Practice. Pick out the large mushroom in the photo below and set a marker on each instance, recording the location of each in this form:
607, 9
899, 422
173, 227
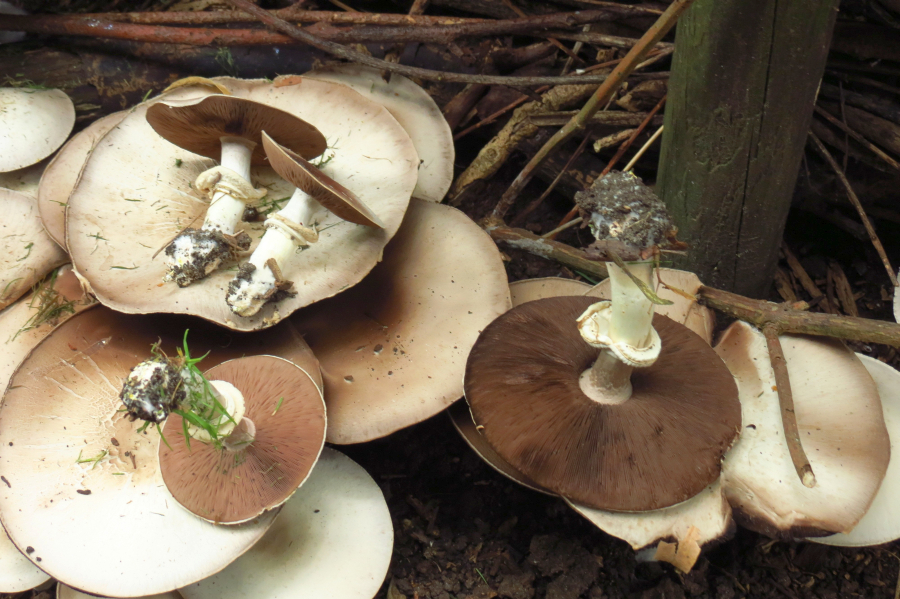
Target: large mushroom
413, 108
393, 348
332, 539
116, 225
80, 474
33, 124
27, 253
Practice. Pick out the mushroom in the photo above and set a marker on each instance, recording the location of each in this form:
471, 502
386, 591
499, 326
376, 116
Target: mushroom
277, 436
881, 523
260, 279
26, 251
393, 347
333, 539
66, 592
33, 124
17, 573
62, 173
578, 396
415, 110
840, 420
25, 180
115, 225
228, 128
79, 475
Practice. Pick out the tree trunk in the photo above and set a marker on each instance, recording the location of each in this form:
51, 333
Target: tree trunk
741, 96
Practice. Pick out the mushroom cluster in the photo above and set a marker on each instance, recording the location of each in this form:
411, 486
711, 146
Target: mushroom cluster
313, 191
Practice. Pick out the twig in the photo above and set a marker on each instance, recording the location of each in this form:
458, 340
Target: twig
823, 151
439, 34
805, 280
552, 40
843, 127
340, 51
621, 152
547, 248
631, 60
494, 116
568, 225
643, 149
786, 400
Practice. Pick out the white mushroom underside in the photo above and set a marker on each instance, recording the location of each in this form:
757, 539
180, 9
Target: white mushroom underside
33, 124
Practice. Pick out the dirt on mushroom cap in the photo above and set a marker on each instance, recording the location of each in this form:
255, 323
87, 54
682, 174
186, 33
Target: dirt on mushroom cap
149, 200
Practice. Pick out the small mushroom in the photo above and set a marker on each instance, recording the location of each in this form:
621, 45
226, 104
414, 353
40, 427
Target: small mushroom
393, 347
27, 253
840, 420
881, 523
276, 439
33, 124
260, 279
416, 111
136, 194
228, 128
333, 539
78, 468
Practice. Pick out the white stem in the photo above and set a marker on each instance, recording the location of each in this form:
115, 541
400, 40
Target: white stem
632, 313
233, 401
224, 211
278, 244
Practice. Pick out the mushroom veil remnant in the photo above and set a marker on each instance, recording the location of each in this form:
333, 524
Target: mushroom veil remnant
579, 396
228, 128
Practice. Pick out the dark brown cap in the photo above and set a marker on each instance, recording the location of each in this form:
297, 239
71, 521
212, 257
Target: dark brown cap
325, 190
198, 126
265, 460
660, 447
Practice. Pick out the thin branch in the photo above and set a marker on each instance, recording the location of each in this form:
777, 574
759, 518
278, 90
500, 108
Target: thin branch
823, 151
643, 149
786, 401
224, 17
341, 52
637, 53
872, 147
547, 248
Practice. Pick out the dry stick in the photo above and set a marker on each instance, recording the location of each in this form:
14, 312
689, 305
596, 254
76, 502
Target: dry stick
340, 51
547, 248
80, 26
622, 149
631, 60
568, 225
224, 17
872, 147
643, 149
534, 205
552, 40
805, 280
786, 400
823, 151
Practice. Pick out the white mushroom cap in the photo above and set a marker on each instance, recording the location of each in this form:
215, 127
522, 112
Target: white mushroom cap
33, 124
62, 404
17, 573
62, 173
416, 111
841, 425
393, 348
27, 253
25, 180
66, 592
373, 155
881, 524
332, 539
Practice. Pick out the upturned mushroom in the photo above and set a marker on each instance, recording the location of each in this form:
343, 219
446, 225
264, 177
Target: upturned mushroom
78, 468
115, 226
33, 124
259, 280
584, 409
228, 128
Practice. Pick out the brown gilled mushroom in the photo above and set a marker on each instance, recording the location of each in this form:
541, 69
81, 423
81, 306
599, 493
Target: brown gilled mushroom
267, 457
79, 471
227, 128
413, 108
27, 253
33, 124
135, 195
393, 347
259, 280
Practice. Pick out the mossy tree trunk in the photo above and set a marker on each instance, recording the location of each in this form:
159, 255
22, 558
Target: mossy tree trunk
741, 95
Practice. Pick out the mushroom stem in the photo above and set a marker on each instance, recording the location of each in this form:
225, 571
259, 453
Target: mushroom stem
225, 210
233, 401
632, 312
253, 287
608, 380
